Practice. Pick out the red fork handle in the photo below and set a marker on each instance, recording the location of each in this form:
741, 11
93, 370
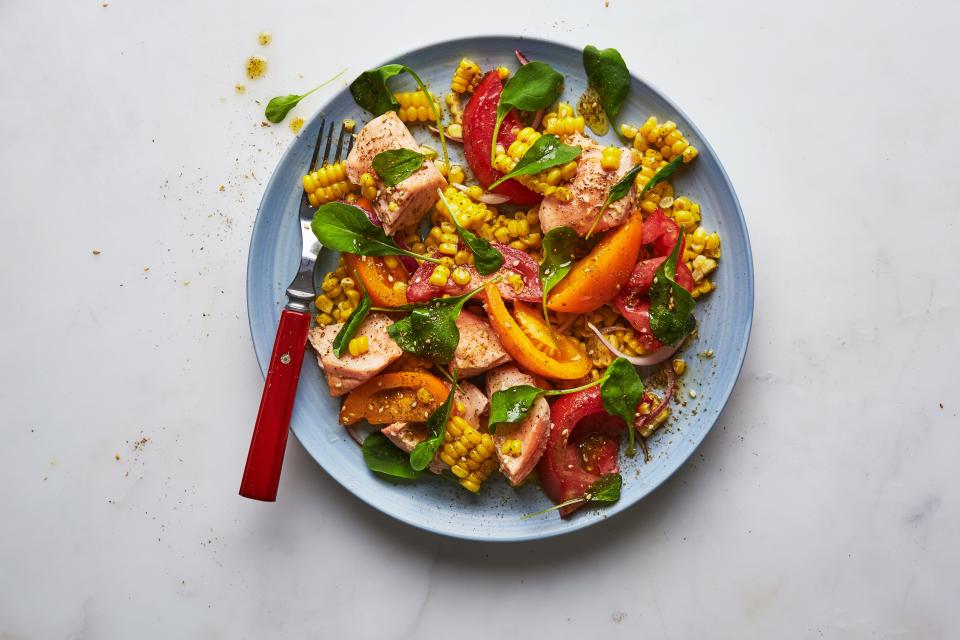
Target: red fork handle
261, 476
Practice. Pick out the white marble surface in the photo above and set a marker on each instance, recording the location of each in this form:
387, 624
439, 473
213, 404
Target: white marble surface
824, 504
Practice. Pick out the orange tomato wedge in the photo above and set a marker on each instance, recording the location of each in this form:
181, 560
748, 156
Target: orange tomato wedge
393, 397
570, 364
597, 278
378, 279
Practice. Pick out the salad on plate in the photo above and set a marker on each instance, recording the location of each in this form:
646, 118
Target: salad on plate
523, 312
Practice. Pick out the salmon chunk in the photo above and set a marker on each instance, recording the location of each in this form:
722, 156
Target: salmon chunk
479, 348
349, 372
590, 188
406, 435
404, 204
532, 432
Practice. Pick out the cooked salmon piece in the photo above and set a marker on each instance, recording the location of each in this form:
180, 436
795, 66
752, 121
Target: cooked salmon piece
404, 204
406, 435
590, 188
349, 372
474, 400
479, 348
532, 431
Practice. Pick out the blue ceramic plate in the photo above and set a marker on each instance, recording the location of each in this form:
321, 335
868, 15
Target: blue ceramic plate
436, 504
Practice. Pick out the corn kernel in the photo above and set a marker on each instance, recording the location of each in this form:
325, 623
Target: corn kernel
324, 303
679, 366
461, 276
359, 346
439, 276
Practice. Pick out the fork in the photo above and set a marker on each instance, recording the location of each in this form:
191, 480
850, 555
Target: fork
261, 476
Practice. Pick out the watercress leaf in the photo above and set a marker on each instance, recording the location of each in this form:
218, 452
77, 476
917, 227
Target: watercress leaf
621, 188
608, 75
671, 306
346, 228
396, 165
664, 173
487, 259
621, 392
430, 331
425, 451
380, 455
535, 85
558, 246
278, 107
371, 92
349, 328
606, 488
546, 152
512, 405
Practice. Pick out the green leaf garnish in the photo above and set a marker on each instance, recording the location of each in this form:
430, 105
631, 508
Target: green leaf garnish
512, 405
671, 306
546, 152
278, 107
349, 328
665, 173
346, 228
608, 75
624, 184
430, 331
617, 191
535, 85
621, 391
486, 259
604, 490
396, 165
426, 450
371, 92
381, 456
558, 246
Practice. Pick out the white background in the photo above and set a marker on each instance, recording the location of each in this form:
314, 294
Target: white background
824, 503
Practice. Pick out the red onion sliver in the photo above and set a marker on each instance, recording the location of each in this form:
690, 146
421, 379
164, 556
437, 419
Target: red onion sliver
648, 360
487, 197
671, 387
433, 129
408, 263
537, 119
354, 435
567, 323
520, 57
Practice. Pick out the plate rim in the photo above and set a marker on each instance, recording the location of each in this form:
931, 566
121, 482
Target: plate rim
263, 358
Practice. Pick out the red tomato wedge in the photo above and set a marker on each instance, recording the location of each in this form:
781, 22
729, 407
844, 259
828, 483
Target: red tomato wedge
479, 119
583, 445
514, 261
660, 234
